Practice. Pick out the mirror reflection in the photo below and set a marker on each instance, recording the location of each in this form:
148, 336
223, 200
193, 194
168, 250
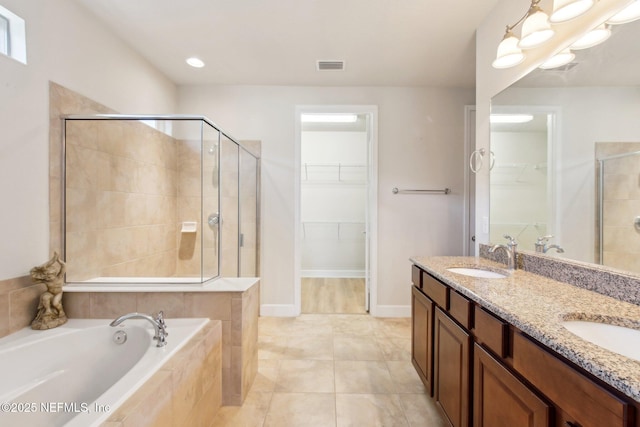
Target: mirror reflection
572, 170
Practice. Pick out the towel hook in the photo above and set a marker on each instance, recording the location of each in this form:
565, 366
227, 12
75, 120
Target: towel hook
477, 158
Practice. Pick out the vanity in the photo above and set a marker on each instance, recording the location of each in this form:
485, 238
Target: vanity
496, 351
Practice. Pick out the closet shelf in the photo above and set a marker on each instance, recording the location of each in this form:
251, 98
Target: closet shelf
335, 230
334, 172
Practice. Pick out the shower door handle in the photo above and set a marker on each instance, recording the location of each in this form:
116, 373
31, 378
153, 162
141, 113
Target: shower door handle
213, 220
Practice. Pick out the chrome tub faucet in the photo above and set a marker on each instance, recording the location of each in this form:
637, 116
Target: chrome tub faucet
158, 324
509, 249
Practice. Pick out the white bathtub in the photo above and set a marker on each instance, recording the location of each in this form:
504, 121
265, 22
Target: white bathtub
76, 375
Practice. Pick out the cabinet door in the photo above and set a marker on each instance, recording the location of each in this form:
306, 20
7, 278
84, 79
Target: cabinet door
583, 402
500, 399
452, 346
422, 337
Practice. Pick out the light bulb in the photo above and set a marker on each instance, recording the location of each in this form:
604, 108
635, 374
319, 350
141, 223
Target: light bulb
593, 37
535, 29
564, 10
559, 59
509, 54
628, 14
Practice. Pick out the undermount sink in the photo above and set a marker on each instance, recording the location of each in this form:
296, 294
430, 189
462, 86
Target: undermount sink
477, 272
618, 339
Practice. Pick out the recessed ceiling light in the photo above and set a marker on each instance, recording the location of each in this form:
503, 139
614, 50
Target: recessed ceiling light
195, 62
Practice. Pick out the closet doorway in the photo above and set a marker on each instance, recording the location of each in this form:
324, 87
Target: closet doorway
336, 193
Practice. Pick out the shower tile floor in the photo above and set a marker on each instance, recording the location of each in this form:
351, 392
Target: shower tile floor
326, 370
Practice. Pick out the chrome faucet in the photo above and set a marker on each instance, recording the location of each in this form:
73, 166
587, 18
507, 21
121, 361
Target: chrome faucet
157, 322
542, 247
509, 249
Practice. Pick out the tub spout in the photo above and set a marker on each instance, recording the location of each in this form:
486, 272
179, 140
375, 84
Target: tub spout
157, 322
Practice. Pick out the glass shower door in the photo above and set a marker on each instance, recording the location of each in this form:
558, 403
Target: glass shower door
210, 208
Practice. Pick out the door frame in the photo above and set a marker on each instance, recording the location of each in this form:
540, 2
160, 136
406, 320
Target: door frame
469, 204
371, 226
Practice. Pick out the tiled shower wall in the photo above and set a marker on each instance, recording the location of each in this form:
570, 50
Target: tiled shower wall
621, 204
122, 196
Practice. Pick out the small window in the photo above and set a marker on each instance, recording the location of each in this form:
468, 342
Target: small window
13, 41
5, 45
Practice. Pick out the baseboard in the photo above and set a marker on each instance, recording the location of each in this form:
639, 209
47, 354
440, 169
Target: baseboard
333, 273
391, 311
278, 310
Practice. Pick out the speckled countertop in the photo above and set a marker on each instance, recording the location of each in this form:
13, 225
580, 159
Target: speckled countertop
536, 305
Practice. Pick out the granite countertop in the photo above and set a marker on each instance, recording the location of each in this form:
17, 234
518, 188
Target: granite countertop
536, 305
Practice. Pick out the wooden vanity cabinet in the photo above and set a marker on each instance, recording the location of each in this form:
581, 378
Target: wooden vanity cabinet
451, 354
422, 337
485, 372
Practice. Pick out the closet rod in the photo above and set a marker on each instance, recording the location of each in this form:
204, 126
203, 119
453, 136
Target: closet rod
445, 191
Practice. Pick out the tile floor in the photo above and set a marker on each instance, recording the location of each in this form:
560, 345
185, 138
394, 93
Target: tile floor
334, 370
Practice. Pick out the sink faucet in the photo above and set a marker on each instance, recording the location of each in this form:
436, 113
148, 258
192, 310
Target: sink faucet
509, 249
157, 322
542, 247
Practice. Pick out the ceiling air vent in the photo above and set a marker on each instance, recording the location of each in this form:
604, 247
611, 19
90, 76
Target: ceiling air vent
330, 65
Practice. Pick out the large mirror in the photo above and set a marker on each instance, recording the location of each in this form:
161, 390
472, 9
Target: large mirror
571, 167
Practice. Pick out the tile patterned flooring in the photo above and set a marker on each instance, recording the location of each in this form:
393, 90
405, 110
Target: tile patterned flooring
325, 370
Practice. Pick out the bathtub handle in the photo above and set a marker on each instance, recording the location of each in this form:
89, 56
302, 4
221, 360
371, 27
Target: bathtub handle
158, 324
162, 337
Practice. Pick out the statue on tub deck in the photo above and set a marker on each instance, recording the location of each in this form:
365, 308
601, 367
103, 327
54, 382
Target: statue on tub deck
50, 312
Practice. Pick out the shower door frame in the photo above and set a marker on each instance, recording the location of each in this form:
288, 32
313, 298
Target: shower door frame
171, 117
600, 199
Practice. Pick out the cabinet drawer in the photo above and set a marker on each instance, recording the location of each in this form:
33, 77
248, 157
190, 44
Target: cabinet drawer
460, 308
416, 276
434, 289
490, 331
587, 403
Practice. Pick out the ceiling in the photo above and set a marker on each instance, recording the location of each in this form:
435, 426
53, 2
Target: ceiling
277, 42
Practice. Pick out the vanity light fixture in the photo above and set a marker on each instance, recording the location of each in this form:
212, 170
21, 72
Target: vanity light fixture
535, 31
564, 10
628, 14
536, 28
329, 118
594, 37
509, 54
195, 62
558, 60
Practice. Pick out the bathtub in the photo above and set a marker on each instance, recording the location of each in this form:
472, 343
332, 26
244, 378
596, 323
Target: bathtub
76, 375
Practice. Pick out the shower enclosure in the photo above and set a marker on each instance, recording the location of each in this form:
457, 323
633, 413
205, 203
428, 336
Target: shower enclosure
618, 204
158, 199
